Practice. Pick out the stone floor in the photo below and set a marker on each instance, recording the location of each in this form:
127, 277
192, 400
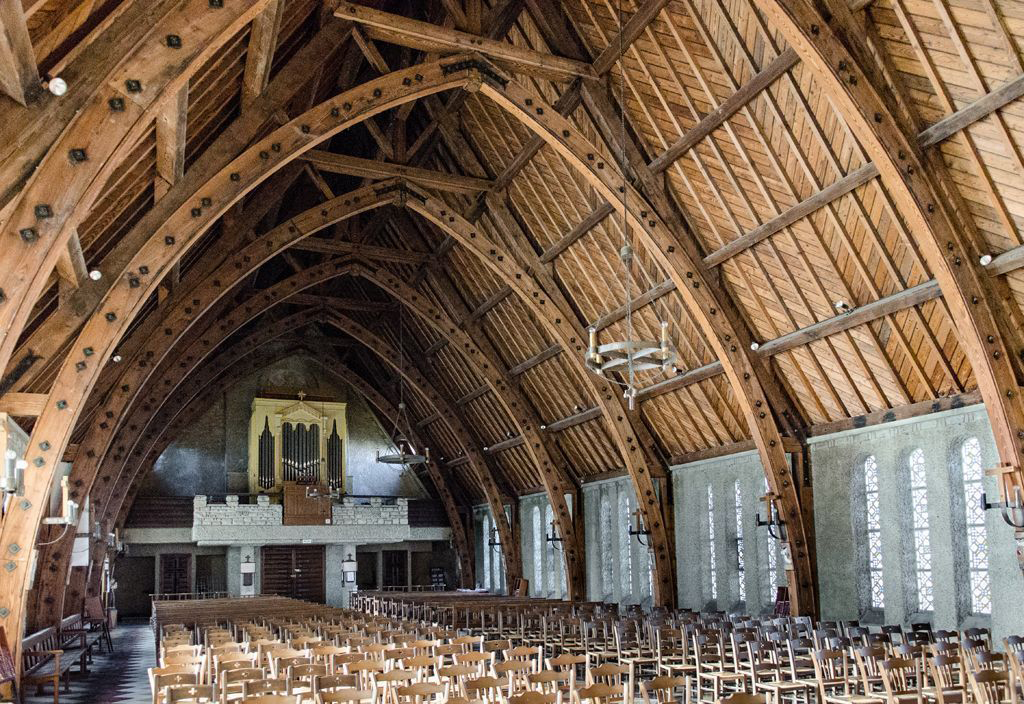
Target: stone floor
114, 678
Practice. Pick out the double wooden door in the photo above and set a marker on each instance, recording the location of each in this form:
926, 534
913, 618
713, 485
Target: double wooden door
294, 570
175, 573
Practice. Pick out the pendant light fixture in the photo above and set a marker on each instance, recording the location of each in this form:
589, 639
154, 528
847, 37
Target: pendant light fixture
405, 454
624, 358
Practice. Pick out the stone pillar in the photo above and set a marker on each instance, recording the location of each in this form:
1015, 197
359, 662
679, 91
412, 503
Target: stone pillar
380, 569
337, 590
408, 569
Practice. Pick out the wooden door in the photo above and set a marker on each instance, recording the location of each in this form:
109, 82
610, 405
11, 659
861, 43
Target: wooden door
294, 570
175, 573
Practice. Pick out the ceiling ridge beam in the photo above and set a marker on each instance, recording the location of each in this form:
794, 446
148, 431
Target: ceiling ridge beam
376, 169
431, 37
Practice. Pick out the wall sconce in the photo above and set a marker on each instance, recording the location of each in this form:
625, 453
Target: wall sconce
1012, 509
776, 525
70, 513
13, 479
553, 538
639, 529
348, 569
493, 541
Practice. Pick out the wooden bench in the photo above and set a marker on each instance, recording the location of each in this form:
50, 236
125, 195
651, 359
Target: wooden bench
76, 635
45, 662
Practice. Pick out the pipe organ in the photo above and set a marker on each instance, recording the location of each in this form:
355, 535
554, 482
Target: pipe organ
296, 442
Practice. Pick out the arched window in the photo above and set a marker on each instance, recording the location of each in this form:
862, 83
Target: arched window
740, 570
551, 573
487, 551
977, 537
712, 561
873, 523
773, 559
538, 554
625, 559
607, 575
922, 537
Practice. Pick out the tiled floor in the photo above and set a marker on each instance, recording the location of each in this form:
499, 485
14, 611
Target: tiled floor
118, 678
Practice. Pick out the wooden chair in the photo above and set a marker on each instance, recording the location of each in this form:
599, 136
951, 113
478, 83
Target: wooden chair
947, 678
420, 692
901, 679
159, 681
514, 673
389, 682
278, 685
346, 696
534, 698
191, 694
663, 690
836, 678
230, 681
993, 687
742, 698
600, 694
484, 689
272, 699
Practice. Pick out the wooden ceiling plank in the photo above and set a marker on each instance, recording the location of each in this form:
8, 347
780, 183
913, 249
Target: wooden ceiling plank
492, 301
19, 74
431, 37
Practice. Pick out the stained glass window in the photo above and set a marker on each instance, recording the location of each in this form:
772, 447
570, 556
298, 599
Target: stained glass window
712, 563
538, 555
740, 571
977, 538
873, 521
773, 559
487, 551
552, 568
625, 563
607, 577
922, 538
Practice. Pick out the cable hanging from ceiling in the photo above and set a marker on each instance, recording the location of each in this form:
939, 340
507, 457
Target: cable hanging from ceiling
406, 453
620, 360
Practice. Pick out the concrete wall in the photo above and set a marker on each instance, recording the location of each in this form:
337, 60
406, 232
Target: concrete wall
837, 464
618, 566
211, 457
690, 484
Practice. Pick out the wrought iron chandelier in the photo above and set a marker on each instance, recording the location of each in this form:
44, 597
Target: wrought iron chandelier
406, 453
620, 359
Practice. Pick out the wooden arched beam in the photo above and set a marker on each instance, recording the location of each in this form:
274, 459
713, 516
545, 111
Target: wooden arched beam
463, 548
76, 377
830, 45
174, 236
60, 590
77, 167
60, 327
509, 547
731, 344
54, 560
508, 393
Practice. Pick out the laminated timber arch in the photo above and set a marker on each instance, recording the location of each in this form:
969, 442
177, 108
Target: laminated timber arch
825, 35
97, 456
380, 347
51, 335
269, 154
76, 168
143, 274
180, 382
